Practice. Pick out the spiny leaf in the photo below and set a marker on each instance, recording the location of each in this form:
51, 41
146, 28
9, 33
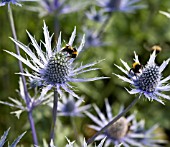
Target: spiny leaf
3, 138
17, 140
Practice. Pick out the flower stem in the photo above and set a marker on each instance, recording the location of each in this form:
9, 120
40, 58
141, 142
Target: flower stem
103, 25
27, 98
74, 128
90, 140
55, 105
31, 121
18, 52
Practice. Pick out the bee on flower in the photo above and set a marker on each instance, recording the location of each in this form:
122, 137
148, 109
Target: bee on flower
150, 81
156, 48
54, 67
72, 51
136, 68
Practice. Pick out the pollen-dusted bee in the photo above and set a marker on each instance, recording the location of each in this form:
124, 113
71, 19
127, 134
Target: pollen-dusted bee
72, 51
136, 68
156, 48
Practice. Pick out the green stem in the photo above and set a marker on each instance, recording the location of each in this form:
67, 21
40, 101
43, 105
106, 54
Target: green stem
54, 113
27, 98
103, 25
74, 127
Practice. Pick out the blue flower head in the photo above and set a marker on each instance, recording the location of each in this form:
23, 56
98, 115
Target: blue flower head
97, 16
84, 144
71, 106
4, 2
148, 137
45, 7
15, 2
149, 80
21, 104
120, 5
54, 67
125, 131
92, 39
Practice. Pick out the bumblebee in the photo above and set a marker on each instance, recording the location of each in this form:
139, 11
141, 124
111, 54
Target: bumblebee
72, 51
136, 68
156, 48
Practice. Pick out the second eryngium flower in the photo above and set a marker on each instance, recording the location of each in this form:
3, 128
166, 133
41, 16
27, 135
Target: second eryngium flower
147, 80
126, 131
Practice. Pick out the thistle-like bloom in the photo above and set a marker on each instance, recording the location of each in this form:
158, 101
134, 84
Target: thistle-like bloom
54, 68
21, 105
45, 7
4, 2
120, 5
122, 131
148, 137
92, 40
71, 106
97, 16
84, 144
15, 2
149, 81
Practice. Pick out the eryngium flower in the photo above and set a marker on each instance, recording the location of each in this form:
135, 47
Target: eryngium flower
21, 104
54, 68
15, 2
150, 137
120, 5
71, 106
84, 144
4, 2
122, 131
97, 16
45, 7
92, 39
149, 81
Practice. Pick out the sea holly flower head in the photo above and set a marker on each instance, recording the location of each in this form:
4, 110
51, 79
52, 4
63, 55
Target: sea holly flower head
45, 7
148, 80
151, 136
120, 5
84, 144
124, 131
4, 2
54, 67
97, 16
74, 144
15, 2
92, 39
71, 106
21, 104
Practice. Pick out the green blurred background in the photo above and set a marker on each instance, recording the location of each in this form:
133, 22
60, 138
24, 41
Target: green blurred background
125, 33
